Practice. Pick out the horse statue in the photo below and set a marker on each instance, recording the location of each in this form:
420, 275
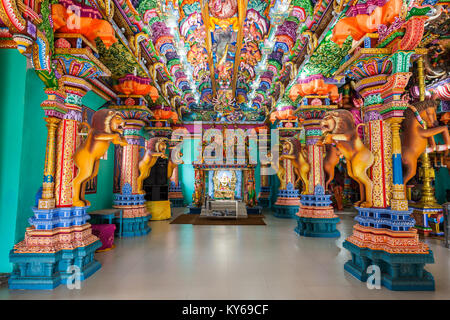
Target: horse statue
415, 135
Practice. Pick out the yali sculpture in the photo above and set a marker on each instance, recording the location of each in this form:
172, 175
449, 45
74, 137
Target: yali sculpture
107, 126
339, 127
156, 150
415, 135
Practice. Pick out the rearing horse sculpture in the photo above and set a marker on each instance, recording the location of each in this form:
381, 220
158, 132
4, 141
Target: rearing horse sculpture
414, 136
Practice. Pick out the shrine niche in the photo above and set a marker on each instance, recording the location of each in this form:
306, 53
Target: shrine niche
224, 185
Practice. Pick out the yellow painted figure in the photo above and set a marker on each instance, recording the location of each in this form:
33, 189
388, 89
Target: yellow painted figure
107, 126
339, 127
157, 149
173, 163
293, 151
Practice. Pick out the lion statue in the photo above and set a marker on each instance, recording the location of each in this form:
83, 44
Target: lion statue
292, 151
330, 161
339, 127
174, 161
107, 126
157, 149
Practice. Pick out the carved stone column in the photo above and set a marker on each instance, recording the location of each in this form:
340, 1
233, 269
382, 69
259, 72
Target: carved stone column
315, 217
47, 200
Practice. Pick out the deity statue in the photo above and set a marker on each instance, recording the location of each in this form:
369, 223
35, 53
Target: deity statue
224, 184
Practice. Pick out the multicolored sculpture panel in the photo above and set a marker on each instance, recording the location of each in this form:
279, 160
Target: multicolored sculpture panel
419, 125
107, 126
157, 149
293, 151
339, 127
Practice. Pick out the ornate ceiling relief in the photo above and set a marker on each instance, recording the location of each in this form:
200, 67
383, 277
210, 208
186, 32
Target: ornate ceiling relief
230, 60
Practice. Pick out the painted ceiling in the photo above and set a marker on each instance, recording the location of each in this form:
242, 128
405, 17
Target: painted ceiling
236, 60
221, 60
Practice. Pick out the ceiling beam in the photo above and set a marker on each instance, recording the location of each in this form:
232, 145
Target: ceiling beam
206, 21
242, 12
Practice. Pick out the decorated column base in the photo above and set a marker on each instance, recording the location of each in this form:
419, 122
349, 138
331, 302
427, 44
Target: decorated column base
176, 202
194, 210
387, 239
316, 217
254, 210
428, 221
287, 203
136, 226
134, 214
399, 272
176, 197
38, 271
58, 245
264, 197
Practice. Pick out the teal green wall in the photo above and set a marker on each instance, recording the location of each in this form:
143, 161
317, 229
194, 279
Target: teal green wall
186, 171
104, 197
442, 183
34, 139
442, 178
12, 96
22, 151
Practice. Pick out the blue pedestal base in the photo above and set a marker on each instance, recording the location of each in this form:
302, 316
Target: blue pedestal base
317, 227
176, 202
264, 202
41, 271
194, 210
285, 212
399, 272
254, 210
136, 227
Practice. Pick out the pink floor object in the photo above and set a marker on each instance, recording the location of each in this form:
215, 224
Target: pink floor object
106, 234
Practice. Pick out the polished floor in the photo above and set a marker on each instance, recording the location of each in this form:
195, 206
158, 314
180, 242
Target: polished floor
233, 262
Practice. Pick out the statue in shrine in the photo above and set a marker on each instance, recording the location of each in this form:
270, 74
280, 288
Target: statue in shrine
157, 149
339, 127
414, 136
107, 126
197, 196
251, 193
293, 151
224, 184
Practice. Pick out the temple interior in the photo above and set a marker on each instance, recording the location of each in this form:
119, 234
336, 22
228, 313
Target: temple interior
224, 149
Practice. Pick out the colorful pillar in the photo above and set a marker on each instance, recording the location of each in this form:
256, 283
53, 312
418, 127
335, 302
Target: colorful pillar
59, 241
427, 209
288, 199
377, 137
67, 138
264, 190
384, 235
133, 106
315, 217
47, 201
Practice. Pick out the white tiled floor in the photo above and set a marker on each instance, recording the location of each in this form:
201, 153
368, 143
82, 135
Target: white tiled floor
233, 262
